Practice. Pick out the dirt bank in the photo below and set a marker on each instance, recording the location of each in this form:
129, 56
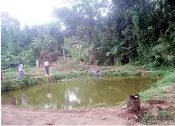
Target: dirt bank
21, 116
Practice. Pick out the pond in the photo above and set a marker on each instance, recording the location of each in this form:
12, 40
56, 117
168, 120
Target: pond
82, 92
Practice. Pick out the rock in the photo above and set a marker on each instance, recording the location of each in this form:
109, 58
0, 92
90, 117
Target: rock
136, 117
155, 112
124, 107
50, 122
103, 118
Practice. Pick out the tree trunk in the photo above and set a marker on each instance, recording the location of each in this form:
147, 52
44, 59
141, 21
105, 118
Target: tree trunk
113, 60
92, 57
91, 54
133, 103
90, 38
64, 54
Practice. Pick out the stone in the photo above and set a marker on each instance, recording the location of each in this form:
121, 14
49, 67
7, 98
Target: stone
124, 107
103, 118
51, 122
155, 112
136, 117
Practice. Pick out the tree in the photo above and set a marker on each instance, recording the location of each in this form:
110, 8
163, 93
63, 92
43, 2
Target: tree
81, 20
10, 38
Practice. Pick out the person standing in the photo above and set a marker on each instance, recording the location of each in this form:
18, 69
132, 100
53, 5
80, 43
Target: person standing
20, 70
2, 76
37, 63
46, 64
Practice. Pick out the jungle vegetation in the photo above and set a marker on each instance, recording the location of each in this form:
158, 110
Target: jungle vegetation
117, 32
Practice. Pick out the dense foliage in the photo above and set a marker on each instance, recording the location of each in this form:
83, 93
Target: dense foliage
120, 32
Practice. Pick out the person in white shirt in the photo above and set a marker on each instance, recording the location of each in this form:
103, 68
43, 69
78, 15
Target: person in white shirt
46, 64
20, 70
37, 63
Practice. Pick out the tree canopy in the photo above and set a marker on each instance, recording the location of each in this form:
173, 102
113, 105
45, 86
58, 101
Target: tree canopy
113, 33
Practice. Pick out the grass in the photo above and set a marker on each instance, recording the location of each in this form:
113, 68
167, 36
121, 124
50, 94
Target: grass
146, 118
45, 106
9, 85
163, 114
10, 73
69, 75
120, 73
168, 79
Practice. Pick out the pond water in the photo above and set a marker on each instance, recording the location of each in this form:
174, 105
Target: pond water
82, 92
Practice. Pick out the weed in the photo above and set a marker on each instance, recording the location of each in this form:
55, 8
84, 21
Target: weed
146, 118
99, 105
159, 93
145, 95
163, 114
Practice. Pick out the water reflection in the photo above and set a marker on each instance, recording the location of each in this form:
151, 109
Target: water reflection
97, 77
24, 100
49, 94
79, 92
66, 96
13, 100
73, 98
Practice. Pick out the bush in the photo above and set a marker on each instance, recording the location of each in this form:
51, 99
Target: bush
9, 85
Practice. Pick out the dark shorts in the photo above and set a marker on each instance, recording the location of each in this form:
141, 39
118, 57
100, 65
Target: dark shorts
47, 69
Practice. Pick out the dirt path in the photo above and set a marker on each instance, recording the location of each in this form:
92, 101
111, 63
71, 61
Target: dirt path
21, 116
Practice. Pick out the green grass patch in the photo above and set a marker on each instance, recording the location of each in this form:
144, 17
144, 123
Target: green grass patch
120, 73
9, 85
146, 118
163, 114
133, 67
156, 74
10, 73
69, 75
168, 79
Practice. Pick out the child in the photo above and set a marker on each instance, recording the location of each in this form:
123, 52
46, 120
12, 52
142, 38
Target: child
20, 70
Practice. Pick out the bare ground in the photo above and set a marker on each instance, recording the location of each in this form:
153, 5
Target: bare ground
166, 104
12, 115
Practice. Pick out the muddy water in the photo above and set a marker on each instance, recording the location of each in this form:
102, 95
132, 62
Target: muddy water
81, 92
